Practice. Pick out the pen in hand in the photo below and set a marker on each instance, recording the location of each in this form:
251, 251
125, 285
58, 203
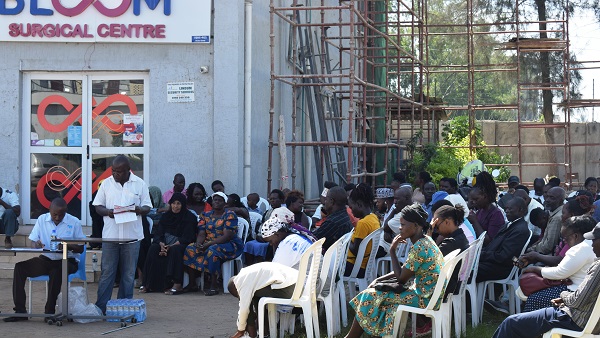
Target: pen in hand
39, 244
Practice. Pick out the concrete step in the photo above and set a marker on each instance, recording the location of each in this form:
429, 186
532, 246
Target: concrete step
18, 240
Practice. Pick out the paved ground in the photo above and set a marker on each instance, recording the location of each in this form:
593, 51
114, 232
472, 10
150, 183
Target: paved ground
187, 315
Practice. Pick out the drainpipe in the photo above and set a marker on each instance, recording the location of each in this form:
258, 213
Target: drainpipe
247, 96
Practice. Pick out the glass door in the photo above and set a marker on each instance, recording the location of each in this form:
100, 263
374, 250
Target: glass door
75, 125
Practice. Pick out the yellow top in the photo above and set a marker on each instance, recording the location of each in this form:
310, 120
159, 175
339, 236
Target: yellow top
364, 227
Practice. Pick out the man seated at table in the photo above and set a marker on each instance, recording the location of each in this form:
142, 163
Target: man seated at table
47, 263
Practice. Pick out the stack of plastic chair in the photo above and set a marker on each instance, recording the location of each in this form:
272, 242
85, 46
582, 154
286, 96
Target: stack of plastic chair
371, 269
438, 317
304, 296
79, 274
510, 285
329, 293
459, 303
227, 267
587, 330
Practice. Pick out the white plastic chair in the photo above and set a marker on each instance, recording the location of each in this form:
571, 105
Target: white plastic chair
384, 264
255, 218
330, 270
79, 274
471, 287
304, 296
459, 303
340, 283
587, 330
371, 268
227, 267
510, 285
438, 317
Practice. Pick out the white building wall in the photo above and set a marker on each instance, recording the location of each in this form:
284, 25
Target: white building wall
203, 139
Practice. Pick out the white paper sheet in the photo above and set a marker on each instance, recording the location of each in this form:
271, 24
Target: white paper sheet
125, 217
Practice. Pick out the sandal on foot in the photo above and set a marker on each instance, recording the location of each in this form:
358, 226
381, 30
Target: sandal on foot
144, 289
211, 292
174, 292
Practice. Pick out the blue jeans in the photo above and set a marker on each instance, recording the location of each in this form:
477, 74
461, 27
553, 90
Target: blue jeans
125, 257
9, 223
535, 323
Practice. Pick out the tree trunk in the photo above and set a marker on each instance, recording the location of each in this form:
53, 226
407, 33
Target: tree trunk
547, 95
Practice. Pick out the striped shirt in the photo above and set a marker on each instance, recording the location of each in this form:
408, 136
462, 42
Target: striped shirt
334, 227
579, 304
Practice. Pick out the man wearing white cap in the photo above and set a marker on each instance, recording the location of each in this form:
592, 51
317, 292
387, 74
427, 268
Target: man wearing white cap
385, 202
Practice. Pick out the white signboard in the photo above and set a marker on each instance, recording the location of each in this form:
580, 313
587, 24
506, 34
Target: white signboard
144, 21
180, 92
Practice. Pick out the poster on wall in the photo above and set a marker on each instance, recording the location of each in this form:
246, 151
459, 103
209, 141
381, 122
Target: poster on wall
180, 92
134, 128
74, 136
120, 21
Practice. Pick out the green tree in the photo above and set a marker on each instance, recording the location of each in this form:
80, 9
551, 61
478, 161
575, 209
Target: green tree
547, 68
450, 62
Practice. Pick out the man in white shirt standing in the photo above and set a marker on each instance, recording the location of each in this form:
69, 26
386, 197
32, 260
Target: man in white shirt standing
123, 189
48, 263
9, 212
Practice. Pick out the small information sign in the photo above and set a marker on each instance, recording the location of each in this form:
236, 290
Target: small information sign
180, 92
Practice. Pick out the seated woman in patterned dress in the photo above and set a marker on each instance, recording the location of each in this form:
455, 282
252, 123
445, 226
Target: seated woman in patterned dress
217, 242
572, 267
375, 307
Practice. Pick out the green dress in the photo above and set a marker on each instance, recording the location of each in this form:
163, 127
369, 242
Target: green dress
375, 309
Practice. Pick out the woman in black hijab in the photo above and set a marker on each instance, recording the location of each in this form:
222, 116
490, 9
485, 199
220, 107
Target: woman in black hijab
164, 263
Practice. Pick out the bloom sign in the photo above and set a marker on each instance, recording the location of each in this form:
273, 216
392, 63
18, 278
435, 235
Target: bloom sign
155, 21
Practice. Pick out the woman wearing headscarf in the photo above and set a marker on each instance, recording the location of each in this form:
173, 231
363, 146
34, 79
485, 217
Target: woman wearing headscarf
217, 241
410, 284
256, 248
270, 279
289, 241
175, 230
158, 206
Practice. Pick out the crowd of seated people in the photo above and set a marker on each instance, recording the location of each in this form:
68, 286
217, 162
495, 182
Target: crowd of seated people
195, 232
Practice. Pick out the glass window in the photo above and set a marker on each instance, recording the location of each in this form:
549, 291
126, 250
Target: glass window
117, 113
52, 176
56, 113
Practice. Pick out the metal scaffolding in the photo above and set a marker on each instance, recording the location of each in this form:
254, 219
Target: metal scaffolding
359, 81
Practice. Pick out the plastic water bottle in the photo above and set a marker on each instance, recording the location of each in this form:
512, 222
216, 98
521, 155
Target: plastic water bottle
143, 314
53, 245
120, 310
95, 262
130, 308
110, 311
